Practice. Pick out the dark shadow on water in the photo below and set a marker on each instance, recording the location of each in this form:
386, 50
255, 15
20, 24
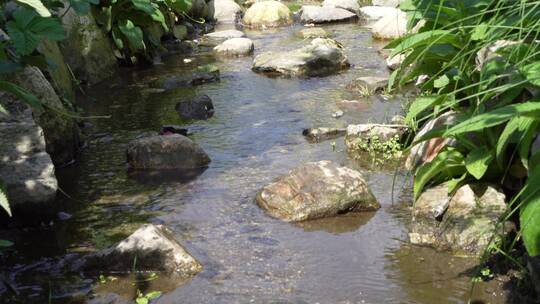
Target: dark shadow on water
169, 176
338, 224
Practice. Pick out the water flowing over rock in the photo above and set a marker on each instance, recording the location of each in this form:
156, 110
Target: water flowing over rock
391, 26
316, 190
267, 14
313, 32
321, 57
321, 134
154, 248
235, 47
224, 11
25, 168
358, 134
325, 14
62, 134
374, 13
86, 49
215, 38
173, 151
463, 223
350, 5
426, 151
199, 107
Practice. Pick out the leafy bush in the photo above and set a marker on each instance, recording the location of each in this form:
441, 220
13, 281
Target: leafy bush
483, 62
131, 23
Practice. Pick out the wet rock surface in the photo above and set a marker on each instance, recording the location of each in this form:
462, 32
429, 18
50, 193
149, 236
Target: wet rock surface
154, 248
374, 13
316, 190
313, 32
358, 134
325, 14
350, 5
215, 38
321, 57
199, 107
166, 152
267, 14
462, 223
224, 11
322, 134
235, 47
369, 85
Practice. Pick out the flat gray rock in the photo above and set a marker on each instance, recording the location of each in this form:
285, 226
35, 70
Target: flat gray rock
326, 14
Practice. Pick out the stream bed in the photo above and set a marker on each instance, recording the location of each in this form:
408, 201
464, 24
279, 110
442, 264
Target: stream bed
254, 136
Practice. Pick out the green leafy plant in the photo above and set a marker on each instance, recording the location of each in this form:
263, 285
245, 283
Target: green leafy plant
482, 60
132, 23
146, 298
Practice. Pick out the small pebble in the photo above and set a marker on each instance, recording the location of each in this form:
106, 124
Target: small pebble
187, 60
337, 114
63, 216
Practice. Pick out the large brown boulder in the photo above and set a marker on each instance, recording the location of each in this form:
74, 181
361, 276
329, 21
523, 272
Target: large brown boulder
173, 151
316, 190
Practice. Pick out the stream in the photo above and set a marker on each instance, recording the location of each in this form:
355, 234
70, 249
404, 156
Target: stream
254, 136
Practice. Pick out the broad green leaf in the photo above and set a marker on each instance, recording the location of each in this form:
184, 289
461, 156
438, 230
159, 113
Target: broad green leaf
419, 105
21, 93
529, 217
477, 161
38, 6
480, 32
133, 34
441, 82
513, 132
141, 300
180, 6
495, 117
49, 28
117, 38
5, 243
441, 163
82, 7
426, 38
532, 73
4, 202
153, 295
455, 183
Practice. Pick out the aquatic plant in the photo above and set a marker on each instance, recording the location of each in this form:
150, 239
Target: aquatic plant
482, 60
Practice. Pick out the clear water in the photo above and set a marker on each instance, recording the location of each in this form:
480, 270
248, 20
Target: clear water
255, 136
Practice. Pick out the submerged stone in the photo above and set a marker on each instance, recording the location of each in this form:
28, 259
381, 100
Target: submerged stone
173, 151
463, 223
153, 247
316, 190
321, 134
369, 85
313, 32
199, 107
323, 56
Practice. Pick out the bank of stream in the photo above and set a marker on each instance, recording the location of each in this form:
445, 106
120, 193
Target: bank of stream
254, 136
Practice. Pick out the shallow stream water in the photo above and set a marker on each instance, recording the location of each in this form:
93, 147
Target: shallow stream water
254, 136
